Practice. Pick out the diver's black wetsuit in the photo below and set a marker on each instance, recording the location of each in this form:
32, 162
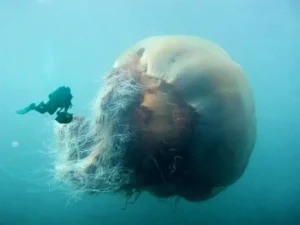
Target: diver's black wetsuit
60, 99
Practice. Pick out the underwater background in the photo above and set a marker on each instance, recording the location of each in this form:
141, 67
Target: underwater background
48, 43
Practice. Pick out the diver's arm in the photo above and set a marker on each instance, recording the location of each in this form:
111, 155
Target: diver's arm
60, 109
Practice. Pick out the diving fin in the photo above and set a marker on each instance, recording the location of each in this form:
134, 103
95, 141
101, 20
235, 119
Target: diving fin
26, 110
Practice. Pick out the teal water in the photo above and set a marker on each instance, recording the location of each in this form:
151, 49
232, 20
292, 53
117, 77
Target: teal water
48, 43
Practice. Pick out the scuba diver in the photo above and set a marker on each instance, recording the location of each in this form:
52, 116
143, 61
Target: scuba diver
60, 99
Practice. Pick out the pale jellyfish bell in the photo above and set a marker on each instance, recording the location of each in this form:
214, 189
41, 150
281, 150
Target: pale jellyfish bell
15, 144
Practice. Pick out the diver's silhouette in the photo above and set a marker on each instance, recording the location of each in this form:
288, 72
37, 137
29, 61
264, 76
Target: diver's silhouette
60, 99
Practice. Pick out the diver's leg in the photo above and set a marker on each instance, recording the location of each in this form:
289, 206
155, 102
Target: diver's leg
51, 111
41, 108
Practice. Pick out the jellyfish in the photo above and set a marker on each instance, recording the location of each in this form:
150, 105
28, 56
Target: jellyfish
175, 117
15, 144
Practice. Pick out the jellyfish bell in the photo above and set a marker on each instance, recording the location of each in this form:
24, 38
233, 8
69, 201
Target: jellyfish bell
15, 144
175, 117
